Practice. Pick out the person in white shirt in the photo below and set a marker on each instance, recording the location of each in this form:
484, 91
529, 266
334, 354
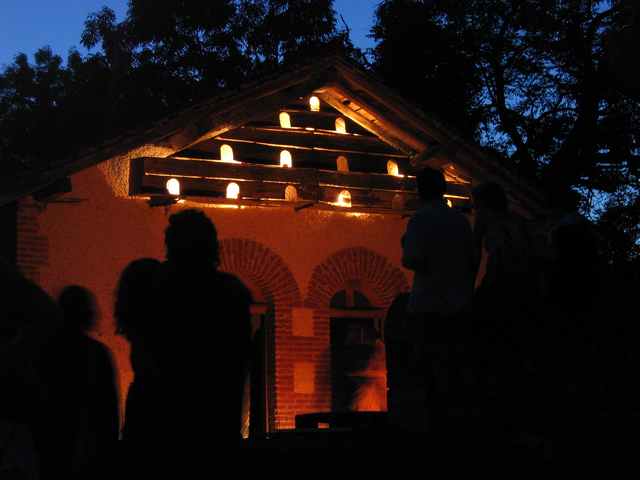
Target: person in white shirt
440, 248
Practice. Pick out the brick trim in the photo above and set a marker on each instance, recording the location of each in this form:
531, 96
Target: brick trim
355, 263
269, 273
32, 247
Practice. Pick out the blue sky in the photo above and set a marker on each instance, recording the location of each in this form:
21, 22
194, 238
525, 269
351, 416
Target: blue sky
28, 25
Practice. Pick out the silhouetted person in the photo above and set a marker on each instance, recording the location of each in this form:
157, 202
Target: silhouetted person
29, 318
135, 318
504, 302
79, 434
439, 247
573, 277
503, 234
203, 342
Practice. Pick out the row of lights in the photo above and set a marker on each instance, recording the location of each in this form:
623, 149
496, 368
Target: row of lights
173, 188
286, 160
233, 192
233, 189
285, 122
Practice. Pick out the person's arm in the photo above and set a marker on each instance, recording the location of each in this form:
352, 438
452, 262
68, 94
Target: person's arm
414, 247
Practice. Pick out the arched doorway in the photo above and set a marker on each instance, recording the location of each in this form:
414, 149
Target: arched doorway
358, 369
255, 406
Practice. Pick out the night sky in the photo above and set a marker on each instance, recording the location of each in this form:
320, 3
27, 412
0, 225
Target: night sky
28, 25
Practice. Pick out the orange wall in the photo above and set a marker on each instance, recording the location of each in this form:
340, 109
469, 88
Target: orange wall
91, 241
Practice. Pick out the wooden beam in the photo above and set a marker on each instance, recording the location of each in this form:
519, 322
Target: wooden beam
375, 121
210, 179
248, 152
255, 190
221, 122
435, 156
170, 167
428, 124
310, 139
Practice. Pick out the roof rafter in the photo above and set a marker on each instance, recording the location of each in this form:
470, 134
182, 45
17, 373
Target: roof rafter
343, 100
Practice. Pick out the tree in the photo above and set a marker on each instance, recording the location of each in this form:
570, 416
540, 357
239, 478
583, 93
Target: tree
182, 51
539, 78
29, 99
549, 85
164, 55
428, 62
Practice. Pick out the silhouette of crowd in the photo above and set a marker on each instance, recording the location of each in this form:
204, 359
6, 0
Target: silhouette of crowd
189, 328
473, 345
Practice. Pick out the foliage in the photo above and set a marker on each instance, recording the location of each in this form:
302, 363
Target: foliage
175, 52
165, 54
550, 86
37, 101
428, 62
544, 78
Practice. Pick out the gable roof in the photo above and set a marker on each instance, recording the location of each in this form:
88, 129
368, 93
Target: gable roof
419, 138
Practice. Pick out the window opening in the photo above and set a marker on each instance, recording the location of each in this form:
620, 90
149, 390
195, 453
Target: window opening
358, 366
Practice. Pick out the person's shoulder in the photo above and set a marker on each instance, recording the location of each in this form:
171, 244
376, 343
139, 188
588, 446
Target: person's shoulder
228, 278
231, 281
430, 208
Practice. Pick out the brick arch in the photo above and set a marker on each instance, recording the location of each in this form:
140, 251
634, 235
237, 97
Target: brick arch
355, 263
262, 266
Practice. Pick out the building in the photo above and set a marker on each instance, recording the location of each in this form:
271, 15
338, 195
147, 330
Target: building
307, 175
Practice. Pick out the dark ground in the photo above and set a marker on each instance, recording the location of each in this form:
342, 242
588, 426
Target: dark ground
566, 404
599, 453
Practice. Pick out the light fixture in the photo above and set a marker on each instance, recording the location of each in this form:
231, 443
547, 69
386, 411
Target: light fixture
341, 125
173, 186
285, 120
314, 103
342, 164
226, 154
291, 194
392, 168
285, 159
344, 199
233, 190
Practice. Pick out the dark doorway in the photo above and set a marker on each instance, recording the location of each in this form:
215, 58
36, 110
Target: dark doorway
358, 372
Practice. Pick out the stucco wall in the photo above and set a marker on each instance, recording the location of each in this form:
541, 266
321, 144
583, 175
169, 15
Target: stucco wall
90, 241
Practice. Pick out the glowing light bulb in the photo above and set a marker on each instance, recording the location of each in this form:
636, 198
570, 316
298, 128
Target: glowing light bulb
233, 190
344, 199
173, 186
285, 159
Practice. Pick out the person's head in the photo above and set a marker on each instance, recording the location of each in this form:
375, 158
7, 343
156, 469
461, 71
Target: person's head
490, 195
135, 297
78, 306
431, 184
191, 235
